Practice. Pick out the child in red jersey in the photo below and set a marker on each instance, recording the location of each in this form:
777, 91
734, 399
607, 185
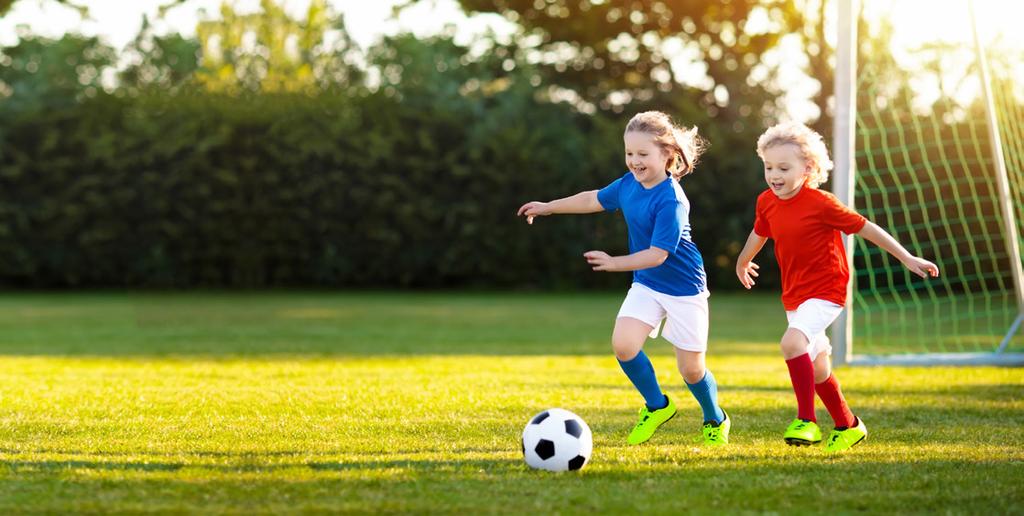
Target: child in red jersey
806, 223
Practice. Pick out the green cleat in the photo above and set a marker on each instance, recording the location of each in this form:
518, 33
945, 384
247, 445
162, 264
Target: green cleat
802, 432
650, 421
842, 439
717, 434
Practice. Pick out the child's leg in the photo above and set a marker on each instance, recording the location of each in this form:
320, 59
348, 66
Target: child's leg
701, 383
828, 390
849, 430
801, 371
686, 328
627, 341
822, 367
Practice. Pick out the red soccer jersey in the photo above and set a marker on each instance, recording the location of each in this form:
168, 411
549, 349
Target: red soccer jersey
808, 245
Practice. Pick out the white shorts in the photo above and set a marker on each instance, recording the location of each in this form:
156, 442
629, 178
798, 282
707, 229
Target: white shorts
687, 316
812, 317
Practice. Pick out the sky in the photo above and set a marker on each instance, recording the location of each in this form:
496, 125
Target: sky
118, 21
916, 22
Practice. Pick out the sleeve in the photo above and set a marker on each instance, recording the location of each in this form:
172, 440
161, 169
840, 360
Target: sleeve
609, 195
668, 226
761, 226
839, 216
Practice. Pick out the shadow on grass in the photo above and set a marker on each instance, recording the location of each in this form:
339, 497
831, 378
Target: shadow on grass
946, 420
719, 483
50, 466
57, 465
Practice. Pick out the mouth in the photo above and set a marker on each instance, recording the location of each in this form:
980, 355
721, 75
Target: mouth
776, 185
639, 170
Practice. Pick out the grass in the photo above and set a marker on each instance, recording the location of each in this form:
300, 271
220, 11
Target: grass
386, 402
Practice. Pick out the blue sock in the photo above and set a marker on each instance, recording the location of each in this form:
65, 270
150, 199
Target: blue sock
706, 392
641, 373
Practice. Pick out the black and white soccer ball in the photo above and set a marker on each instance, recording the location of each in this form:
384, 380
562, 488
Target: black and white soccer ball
557, 440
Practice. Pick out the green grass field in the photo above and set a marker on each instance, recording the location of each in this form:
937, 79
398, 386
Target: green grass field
378, 402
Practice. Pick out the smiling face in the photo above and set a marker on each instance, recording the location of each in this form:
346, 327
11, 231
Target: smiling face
785, 170
645, 158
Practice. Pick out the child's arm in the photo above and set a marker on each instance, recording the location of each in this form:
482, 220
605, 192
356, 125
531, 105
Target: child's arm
746, 270
650, 257
883, 239
583, 202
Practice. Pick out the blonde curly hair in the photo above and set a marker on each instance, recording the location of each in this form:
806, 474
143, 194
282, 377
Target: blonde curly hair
684, 146
811, 145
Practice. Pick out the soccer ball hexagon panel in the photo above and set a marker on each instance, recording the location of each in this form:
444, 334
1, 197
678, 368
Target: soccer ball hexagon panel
557, 440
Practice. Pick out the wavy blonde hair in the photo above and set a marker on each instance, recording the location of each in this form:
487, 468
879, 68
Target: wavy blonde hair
811, 145
684, 146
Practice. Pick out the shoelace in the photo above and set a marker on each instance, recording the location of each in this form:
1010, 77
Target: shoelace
647, 415
715, 434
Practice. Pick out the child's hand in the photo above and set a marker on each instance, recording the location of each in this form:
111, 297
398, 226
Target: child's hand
746, 272
599, 260
922, 267
533, 209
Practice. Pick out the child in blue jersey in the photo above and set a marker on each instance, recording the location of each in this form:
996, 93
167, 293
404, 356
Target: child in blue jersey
668, 273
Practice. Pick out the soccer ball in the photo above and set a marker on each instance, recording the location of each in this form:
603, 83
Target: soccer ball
557, 440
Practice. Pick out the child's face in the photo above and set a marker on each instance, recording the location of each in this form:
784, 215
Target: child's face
785, 170
645, 158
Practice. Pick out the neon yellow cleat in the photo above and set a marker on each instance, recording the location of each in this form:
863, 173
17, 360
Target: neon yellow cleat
650, 421
842, 439
802, 432
717, 434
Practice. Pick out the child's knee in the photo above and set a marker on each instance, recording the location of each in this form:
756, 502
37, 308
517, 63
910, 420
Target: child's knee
692, 373
794, 343
625, 350
822, 368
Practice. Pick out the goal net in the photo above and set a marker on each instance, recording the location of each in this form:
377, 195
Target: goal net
935, 155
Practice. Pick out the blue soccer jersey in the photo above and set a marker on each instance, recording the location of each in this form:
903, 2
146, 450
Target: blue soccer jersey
659, 217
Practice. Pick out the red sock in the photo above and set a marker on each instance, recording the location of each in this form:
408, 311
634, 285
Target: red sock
834, 401
801, 372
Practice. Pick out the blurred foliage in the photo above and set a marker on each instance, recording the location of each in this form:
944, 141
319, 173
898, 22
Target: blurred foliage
820, 60
42, 73
269, 51
617, 52
168, 63
5, 6
414, 184
272, 151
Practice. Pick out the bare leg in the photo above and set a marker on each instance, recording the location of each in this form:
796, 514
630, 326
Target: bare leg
691, 365
822, 368
628, 337
794, 343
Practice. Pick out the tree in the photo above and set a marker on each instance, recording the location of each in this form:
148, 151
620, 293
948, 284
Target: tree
614, 52
271, 52
40, 72
166, 62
